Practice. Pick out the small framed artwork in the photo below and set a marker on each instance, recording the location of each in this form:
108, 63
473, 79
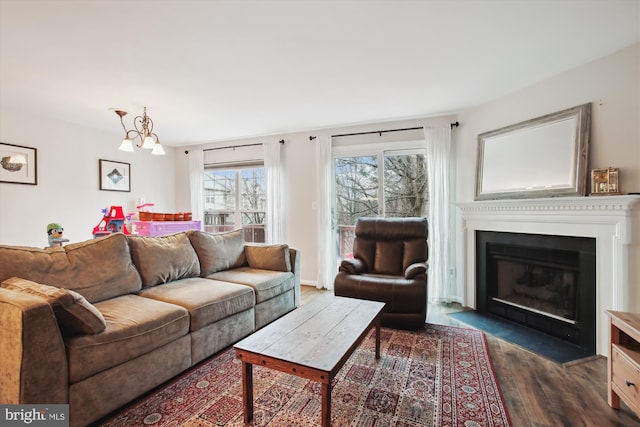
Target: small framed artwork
18, 164
115, 176
604, 181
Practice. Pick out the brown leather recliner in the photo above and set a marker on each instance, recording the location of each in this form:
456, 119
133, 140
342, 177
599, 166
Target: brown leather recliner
390, 265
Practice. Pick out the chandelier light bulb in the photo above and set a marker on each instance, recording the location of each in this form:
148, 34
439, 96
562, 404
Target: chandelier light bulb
148, 143
127, 145
158, 150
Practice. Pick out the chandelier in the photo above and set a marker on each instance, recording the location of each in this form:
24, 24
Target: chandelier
142, 132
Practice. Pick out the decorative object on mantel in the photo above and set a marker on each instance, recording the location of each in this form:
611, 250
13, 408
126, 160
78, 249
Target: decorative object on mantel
542, 157
143, 131
18, 164
604, 182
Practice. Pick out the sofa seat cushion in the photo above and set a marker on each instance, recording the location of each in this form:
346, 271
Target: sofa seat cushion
266, 283
206, 300
135, 326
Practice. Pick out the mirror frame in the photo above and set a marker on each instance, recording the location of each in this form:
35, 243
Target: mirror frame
518, 133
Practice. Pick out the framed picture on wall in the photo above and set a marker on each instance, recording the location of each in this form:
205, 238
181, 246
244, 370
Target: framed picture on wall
18, 164
115, 176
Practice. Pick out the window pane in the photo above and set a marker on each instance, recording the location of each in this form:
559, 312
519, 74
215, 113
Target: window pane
356, 196
254, 195
356, 188
219, 189
405, 186
404, 190
236, 198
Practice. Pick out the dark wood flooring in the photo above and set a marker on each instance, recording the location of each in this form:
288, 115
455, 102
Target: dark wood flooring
539, 392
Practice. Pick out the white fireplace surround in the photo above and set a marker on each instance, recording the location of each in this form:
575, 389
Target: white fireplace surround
608, 219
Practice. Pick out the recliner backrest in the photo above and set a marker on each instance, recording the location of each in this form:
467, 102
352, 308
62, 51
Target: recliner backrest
390, 245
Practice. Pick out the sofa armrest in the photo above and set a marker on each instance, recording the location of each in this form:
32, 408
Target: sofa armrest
295, 269
414, 270
34, 365
352, 266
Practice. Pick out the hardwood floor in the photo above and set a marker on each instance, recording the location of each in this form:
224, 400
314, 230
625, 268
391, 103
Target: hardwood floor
539, 392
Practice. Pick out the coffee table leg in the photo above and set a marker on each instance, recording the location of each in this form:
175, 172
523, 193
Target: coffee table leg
247, 391
378, 321
326, 404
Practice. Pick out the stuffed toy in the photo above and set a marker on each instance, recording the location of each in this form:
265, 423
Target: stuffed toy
54, 233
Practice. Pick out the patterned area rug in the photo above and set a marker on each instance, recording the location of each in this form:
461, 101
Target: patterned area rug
441, 376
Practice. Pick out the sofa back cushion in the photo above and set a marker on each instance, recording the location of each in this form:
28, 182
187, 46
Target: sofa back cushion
217, 252
98, 269
164, 259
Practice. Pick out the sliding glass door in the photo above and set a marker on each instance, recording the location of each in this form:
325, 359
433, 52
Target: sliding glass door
383, 182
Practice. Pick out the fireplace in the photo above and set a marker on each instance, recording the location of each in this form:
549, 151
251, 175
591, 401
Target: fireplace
544, 282
612, 221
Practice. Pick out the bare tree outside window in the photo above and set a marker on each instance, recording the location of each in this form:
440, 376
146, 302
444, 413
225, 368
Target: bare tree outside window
405, 186
356, 188
404, 191
254, 196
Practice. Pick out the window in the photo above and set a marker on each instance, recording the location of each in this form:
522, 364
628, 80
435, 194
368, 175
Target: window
235, 198
377, 182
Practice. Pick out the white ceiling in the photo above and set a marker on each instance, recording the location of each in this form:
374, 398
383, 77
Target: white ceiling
217, 70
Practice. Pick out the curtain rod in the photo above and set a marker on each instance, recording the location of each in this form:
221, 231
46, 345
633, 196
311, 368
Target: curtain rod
380, 132
234, 146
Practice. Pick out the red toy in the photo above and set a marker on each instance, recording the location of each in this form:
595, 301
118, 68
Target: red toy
112, 222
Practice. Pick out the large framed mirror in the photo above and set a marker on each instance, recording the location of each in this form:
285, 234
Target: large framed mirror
542, 157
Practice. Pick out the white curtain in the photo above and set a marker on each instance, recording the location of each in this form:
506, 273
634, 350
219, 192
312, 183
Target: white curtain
275, 213
196, 182
438, 144
326, 256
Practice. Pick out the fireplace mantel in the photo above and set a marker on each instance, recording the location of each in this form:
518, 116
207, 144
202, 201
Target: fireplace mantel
594, 204
608, 219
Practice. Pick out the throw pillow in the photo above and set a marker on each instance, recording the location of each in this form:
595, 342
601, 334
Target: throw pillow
272, 257
74, 313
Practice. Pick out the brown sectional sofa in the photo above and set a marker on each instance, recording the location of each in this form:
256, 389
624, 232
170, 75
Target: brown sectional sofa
98, 323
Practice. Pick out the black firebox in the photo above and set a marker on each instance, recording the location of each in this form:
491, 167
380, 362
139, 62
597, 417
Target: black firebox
545, 282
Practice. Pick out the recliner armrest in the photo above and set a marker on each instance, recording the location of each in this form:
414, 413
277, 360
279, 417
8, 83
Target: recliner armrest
352, 266
416, 269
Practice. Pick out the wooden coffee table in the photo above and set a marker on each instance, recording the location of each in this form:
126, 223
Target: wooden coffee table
314, 341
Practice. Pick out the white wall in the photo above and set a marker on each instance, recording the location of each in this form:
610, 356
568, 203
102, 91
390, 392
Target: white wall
612, 85
68, 188
300, 177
